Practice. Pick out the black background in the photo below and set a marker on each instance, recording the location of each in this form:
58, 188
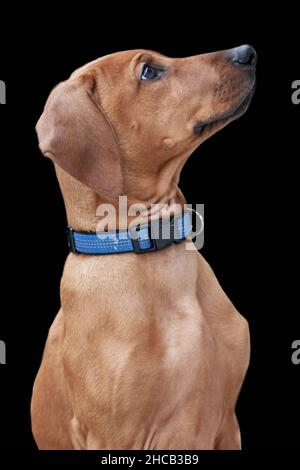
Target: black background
246, 176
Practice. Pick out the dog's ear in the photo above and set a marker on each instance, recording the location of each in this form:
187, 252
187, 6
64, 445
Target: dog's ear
74, 132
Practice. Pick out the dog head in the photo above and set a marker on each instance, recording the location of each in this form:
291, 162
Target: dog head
135, 116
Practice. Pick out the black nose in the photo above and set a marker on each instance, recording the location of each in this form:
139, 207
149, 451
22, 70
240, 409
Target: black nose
244, 56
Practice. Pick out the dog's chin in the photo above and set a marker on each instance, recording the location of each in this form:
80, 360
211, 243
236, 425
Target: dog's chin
203, 128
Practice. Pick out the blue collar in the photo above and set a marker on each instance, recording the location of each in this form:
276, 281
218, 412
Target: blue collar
157, 235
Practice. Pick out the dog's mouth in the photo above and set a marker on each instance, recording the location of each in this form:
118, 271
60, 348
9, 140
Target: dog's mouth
233, 113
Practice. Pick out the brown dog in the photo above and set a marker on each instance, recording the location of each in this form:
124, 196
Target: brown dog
147, 352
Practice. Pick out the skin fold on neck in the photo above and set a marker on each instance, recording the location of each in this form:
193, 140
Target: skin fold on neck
85, 207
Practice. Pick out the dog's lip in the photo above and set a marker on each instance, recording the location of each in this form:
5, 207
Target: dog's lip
234, 113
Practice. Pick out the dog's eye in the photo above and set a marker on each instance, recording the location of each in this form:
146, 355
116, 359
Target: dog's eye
150, 72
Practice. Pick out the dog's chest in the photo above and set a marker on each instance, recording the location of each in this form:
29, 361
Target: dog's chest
148, 359
164, 382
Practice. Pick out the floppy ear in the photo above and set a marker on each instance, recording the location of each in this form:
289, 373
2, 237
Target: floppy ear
74, 132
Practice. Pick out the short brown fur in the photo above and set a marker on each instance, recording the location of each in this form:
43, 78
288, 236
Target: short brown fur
146, 352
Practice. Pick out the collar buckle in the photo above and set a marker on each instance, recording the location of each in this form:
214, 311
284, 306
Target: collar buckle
71, 241
162, 233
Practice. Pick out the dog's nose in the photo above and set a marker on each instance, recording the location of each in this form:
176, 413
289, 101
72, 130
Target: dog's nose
244, 56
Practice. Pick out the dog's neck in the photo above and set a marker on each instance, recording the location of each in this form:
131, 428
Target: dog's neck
85, 208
